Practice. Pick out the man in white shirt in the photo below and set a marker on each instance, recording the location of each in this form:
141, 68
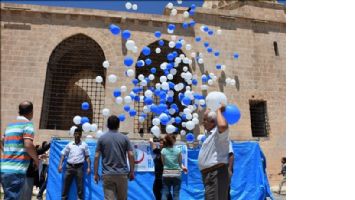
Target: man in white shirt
77, 152
213, 156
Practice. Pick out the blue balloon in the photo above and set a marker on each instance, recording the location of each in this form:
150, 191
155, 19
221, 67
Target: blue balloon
174, 106
166, 72
128, 61
115, 29
126, 108
209, 49
175, 53
148, 100
193, 6
210, 32
121, 117
162, 101
170, 99
231, 114
204, 78
161, 43
216, 53
177, 120
236, 55
162, 94
203, 138
137, 98
163, 107
170, 56
146, 51
192, 23
132, 113
157, 92
194, 82
154, 108
85, 106
169, 66
197, 39
185, 25
171, 85
157, 34
135, 81
186, 100
178, 45
84, 120
218, 66
183, 117
205, 28
137, 89
164, 120
153, 70
140, 63
206, 44
190, 138
192, 12
148, 61
116, 93
126, 34
171, 27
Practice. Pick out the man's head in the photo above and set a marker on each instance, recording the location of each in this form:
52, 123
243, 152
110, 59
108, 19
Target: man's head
283, 160
77, 133
113, 123
209, 120
26, 109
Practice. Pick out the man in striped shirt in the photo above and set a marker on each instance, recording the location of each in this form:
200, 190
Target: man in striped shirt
18, 150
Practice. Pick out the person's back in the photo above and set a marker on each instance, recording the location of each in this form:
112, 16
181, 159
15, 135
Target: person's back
113, 147
171, 158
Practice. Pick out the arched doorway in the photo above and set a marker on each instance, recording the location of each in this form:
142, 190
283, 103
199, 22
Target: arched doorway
70, 80
157, 59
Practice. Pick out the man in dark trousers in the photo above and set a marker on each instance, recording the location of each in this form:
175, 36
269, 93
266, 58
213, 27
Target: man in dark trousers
77, 152
113, 146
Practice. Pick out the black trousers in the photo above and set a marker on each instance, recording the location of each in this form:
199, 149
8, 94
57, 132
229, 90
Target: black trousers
157, 188
71, 173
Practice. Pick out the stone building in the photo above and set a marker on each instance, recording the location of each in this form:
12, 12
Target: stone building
51, 56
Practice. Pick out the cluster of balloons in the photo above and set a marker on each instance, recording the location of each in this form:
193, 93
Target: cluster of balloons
130, 6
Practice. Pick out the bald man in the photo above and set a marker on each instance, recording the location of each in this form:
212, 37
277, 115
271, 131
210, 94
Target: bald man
18, 151
213, 156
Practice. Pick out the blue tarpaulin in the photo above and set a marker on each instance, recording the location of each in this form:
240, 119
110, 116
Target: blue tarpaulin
249, 181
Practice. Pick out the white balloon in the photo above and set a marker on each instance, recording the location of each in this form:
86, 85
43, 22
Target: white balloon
196, 121
157, 50
170, 129
223, 67
178, 60
188, 88
190, 125
156, 131
171, 111
156, 121
170, 5
144, 83
189, 116
200, 60
98, 79
128, 5
215, 99
173, 12
158, 86
232, 82
72, 130
170, 76
127, 99
202, 27
123, 88
141, 99
186, 14
86, 127
163, 65
170, 31
188, 47
183, 124
106, 64
199, 137
141, 77
171, 44
130, 73
135, 49
141, 119
134, 6
165, 85
187, 111
210, 82
148, 93
112, 78
219, 32
77, 120
93, 127
182, 132
99, 133
195, 115
163, 79
118, 100
202, 102
151, 77
106, 112
181, 56
173, 71
204, 87
130, 44
179, 1
146, 109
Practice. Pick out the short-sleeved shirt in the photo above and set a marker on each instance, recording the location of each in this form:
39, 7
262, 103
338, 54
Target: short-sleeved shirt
171, 158
231, 148
113, 147
76, 153
15, 159
214, 150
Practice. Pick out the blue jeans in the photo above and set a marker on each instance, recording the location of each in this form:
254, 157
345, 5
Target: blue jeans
168, 183
12, 185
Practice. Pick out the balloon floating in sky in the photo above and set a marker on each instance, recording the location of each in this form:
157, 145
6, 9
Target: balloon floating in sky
126, 34
85, 106
115, 29
128, 5
231, 114
106, 64
190, 138
215, 99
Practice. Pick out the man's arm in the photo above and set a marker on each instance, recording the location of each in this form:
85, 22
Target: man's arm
221, 122
96, 166
89, 164
60, 166
131, 165
181, 164
231, 163
30, 149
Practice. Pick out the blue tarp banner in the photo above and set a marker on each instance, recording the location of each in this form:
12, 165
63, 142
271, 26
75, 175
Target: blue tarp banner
249, 181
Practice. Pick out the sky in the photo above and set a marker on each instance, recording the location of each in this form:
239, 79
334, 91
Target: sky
144, 6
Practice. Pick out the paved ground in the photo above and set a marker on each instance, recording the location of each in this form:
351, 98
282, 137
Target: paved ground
280, 197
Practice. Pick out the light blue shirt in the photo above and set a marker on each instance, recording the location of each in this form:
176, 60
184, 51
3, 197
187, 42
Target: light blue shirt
76, 152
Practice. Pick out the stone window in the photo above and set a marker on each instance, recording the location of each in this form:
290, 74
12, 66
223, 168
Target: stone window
259, 118
70, 81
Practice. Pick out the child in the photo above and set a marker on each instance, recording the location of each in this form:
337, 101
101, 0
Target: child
283, 172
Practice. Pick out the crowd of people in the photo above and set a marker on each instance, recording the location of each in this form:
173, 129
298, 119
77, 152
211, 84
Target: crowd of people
21, 160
